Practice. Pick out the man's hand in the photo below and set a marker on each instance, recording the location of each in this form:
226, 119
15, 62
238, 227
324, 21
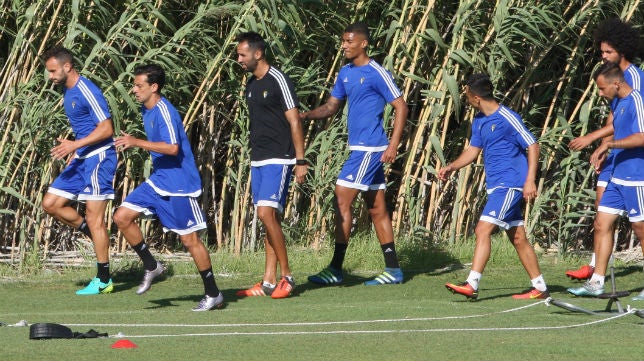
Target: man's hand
599, 156
65, 148
529, 190
300, 173
389, 155
580, 143
125, 141
445, 172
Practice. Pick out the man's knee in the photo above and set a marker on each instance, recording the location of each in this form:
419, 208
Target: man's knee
601, 225
191, 241
50, 204
266, 214
122, 219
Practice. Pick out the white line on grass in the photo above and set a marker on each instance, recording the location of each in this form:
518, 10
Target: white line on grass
296, 333
322, 323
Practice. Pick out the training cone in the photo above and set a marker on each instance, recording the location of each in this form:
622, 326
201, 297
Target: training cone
124, 344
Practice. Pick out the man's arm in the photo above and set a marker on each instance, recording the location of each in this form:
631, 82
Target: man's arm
468, 156
635, 140
401, 111
297, 134
585, 140
530, 185
632, 141
126, 141
102, 131
325, 110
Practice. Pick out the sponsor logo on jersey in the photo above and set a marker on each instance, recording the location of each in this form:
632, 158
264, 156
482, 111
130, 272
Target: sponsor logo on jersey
633, 211
350, 177
493, 214
274, 196
190, 223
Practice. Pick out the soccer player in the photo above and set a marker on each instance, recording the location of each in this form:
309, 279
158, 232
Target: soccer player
368, 87
277, 144
623, 194
511, 177
618, 43
90, 171
172, 188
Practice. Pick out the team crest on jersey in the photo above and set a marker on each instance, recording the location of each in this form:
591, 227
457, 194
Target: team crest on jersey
361, 80
265, 93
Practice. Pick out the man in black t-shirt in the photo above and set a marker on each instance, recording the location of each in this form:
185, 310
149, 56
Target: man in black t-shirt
277, 143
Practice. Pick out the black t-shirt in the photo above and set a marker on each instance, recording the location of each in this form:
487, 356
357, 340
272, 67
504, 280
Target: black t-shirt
268, 99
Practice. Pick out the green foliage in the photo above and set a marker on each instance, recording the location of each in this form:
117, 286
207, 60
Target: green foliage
539, 54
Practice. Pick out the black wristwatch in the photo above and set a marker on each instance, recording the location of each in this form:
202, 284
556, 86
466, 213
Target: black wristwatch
301, 162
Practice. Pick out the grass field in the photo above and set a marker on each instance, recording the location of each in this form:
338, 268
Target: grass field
418, 320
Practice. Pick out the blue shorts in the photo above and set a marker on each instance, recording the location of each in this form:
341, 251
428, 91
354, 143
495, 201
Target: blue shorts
363, 171
269, 184
606, 173
181, 215
503, 208
87, 178
623, 200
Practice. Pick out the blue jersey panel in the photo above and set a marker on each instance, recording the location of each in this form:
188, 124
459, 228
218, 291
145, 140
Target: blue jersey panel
623, 200
503, 138
503, 208
634, 77
269, 185
368, 89
89, 178
172, 175
85, 107
181, 215
363, 171
628, 119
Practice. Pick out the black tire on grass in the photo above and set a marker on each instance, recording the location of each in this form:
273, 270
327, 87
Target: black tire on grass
41, 331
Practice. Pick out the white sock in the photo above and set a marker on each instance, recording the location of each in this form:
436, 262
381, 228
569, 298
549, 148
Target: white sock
597, 278
473, 279
539, 283
592, 261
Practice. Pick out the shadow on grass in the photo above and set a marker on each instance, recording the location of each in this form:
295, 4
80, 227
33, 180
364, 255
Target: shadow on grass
129, 276
420, 255
350, 280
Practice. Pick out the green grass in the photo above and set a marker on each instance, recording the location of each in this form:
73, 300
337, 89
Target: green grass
424, 321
